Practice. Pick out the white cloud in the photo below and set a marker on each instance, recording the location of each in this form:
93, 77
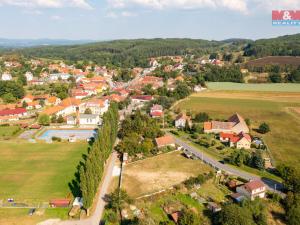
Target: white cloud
243, 6
236, 5
117, 14
47, 3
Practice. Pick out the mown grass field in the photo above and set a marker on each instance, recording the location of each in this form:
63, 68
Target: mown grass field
20, 216
160, 172
37, 172
270, 107
229, 86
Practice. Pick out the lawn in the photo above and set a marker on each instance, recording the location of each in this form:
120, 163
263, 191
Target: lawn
14, 216
280, 87
8, 131
38, 172
160, 172
273, 108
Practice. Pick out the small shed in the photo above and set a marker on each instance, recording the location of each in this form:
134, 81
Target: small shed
61, 203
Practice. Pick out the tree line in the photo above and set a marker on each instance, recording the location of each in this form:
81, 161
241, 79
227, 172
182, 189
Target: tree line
91, 170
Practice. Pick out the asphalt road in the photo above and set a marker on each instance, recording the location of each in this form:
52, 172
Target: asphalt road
271, 184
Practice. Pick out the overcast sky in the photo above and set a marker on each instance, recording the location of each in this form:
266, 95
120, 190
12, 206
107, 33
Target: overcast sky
118, 19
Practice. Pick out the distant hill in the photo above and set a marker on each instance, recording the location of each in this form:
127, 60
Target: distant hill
127, 53
288, 45
23, 43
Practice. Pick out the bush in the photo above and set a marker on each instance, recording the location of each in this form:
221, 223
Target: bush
264, 128
58, 139
195, 136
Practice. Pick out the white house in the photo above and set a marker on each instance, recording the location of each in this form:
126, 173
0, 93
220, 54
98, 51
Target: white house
97, 106
181, 120
6, 77
252, 189
71, 120
29, 76
56, 76
89, 119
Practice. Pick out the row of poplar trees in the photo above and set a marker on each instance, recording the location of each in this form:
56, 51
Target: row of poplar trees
91, 171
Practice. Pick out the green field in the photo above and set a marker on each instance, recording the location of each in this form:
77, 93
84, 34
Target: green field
280, 87
8, 131
273, 108
38, 172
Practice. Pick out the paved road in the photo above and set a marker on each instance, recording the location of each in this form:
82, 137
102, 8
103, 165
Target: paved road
97, 214
271, 184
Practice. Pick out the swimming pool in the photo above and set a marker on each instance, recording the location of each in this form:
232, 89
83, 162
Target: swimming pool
65, 134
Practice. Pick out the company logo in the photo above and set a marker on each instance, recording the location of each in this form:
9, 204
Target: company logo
286, 17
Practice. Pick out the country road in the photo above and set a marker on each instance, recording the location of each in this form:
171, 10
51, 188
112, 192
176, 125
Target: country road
97, 214
271, 184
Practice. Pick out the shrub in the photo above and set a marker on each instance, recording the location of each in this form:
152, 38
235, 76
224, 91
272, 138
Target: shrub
263, 128
58, 139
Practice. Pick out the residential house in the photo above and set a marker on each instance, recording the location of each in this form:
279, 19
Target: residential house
235, 124
156, 111
165, 141
239, 141
252, 189
97, 106
89, 119
28, 98
19, 112
52, 101
33, 105
29, 76
141, 99
6, 77
71, 120
153, 62
56, 76
181, 120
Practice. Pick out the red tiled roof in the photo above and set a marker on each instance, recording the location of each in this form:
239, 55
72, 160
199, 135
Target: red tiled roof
7, 112
207, 125
254, 184
142, 97
164, 141
156, 114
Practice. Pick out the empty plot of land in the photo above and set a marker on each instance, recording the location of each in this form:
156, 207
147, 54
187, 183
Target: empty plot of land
160, 172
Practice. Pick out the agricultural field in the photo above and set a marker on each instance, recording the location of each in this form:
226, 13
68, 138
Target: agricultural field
274, 108
266, 87
275, 60
35, 173
160, 172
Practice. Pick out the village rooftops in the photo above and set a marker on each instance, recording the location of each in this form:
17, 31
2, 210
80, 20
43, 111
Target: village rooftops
11, 112
142, 97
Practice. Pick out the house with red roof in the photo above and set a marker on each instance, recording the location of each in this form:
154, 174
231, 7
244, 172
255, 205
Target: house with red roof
156, 111
138, 99
235, 124
19, 112
253, 189
165, 141
97, 106
239, 141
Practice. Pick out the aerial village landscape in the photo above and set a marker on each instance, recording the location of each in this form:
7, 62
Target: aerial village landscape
149, 131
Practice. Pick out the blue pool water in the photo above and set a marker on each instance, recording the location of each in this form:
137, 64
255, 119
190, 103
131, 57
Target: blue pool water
65, 134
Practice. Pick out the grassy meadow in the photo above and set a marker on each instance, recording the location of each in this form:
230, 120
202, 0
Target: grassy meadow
274, 108
160, 172
38, 172
278, 87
